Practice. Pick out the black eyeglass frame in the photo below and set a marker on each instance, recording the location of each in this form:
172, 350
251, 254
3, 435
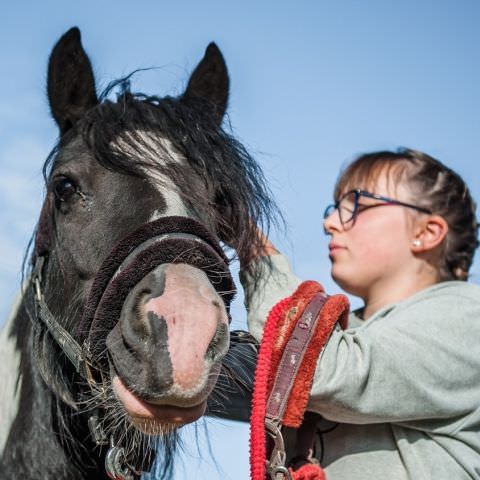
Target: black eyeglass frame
363, 193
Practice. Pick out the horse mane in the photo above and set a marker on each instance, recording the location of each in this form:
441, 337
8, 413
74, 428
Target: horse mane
140, 124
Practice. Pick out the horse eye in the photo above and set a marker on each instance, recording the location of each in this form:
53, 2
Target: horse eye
64, 189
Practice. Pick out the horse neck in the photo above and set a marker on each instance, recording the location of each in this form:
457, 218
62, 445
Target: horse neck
30, 447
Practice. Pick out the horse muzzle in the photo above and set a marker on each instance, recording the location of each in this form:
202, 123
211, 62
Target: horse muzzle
157, 319
171, 336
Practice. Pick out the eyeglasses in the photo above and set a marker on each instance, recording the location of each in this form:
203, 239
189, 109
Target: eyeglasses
349, 206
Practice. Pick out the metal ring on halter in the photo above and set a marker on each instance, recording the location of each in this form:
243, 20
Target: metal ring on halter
116, 465
283, 471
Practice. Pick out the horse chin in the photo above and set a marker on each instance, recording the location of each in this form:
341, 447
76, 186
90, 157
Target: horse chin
155, 419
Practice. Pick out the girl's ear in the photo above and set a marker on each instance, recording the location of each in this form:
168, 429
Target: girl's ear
429, 234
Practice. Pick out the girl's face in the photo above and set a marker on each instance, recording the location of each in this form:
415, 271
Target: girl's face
376, 249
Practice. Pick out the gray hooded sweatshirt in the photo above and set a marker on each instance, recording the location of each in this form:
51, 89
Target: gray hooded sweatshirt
401, 389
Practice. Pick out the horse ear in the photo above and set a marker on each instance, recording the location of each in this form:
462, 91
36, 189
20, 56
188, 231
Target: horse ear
209, 82
71, 84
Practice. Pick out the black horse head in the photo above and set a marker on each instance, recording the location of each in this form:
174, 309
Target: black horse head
147, 298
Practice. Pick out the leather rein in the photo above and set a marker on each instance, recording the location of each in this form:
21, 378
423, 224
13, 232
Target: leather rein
296, 330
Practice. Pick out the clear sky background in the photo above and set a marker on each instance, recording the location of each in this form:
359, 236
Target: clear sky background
313, 84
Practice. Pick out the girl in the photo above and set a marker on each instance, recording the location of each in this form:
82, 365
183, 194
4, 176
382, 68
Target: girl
399, 390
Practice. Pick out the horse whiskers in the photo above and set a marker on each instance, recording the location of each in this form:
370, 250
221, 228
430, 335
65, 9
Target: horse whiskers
223, 392
227, 384
116, 423
245, 360
222, 374
235, 378
218, 397
226, 292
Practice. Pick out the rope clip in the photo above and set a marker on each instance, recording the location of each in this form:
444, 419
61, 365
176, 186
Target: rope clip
276, 465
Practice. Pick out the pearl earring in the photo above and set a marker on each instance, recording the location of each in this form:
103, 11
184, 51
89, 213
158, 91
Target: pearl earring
416, 243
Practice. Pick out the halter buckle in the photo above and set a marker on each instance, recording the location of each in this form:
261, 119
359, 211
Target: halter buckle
276, 465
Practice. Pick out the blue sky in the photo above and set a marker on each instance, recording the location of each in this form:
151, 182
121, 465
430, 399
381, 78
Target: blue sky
314, 83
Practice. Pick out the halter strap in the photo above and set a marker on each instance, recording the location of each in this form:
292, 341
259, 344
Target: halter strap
165, 232
65, 341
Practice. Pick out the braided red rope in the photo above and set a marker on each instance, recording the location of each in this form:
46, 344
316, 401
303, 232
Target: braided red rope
258, 451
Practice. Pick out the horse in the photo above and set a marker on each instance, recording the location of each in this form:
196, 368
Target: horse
121, 333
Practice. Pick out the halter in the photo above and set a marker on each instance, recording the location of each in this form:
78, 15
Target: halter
171, 239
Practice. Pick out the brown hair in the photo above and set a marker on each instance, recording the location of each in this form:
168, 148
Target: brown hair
435, 187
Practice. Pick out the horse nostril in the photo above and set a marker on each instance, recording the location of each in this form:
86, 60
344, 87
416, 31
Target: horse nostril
139, 299
144, 292
219, 345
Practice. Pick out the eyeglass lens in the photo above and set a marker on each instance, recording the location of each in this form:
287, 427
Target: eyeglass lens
347, 207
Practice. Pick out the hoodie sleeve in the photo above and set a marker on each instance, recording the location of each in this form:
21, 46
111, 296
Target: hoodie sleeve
268, 280
417, 361
414, 362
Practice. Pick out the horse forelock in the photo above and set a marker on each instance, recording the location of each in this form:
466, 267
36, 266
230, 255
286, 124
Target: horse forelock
175, 143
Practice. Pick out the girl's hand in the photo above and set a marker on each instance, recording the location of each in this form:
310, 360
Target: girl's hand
262, 247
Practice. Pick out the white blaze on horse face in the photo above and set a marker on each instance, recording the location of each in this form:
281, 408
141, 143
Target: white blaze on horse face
175, 205
153, 149
9, 371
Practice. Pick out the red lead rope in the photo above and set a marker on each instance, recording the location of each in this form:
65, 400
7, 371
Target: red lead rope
258, 440
310, 310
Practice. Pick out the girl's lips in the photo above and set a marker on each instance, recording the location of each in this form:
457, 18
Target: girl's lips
334, 247
140, 410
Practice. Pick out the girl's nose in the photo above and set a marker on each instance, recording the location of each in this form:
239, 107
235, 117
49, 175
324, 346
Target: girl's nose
332, 223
